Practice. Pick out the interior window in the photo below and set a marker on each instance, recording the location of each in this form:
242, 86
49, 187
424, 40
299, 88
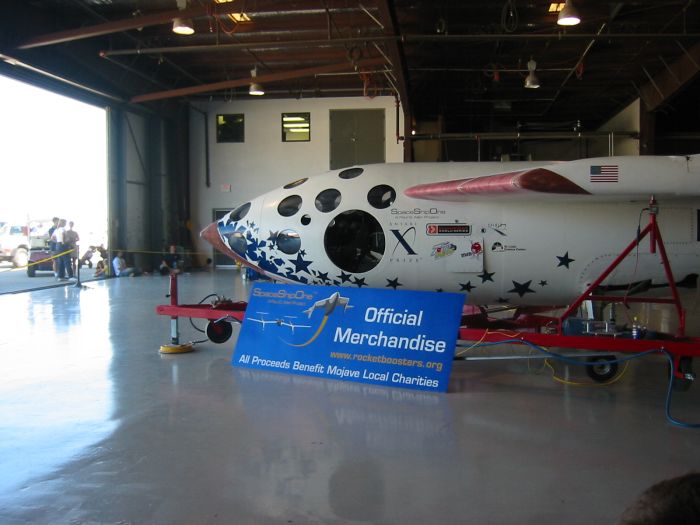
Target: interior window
354, 241
381, 196
328, 200
289, 206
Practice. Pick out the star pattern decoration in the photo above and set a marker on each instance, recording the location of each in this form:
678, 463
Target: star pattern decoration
323, 277
466, 287
565, 260
486, 276
543, 283
521, 288
344, 277
359, 282
393, 283
300, 265
302, 253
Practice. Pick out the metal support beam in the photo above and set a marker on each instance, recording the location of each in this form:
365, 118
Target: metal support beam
262, 79
396, 55
676, 75
136, 22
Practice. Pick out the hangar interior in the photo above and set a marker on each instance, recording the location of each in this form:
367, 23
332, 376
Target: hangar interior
100, 428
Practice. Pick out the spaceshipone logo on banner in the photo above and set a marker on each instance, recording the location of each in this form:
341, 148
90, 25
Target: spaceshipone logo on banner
384, 337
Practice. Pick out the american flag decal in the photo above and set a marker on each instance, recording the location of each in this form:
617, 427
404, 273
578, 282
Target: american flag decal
607, 173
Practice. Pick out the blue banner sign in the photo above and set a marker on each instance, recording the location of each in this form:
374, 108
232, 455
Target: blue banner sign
392, 338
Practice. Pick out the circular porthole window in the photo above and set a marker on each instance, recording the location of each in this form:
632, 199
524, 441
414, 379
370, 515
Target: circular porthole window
236, 241
354, 241
381, 196
351, 173
295, 183
288, 241
240, 212
289, 206
305, 220
328, 200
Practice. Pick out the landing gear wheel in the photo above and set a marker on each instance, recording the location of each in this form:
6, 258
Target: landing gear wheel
685, 366
219, 331
603, 368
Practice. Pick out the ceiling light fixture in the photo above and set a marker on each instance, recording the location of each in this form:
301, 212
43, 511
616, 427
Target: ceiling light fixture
255, 88
183, 26
531, 81
568, 16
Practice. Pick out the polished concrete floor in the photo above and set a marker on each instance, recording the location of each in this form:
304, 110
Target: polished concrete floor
97, 427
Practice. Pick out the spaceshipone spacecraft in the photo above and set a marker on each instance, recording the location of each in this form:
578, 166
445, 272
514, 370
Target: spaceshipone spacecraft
530, 233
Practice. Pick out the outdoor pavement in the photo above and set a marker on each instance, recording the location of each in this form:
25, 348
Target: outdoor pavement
14, 280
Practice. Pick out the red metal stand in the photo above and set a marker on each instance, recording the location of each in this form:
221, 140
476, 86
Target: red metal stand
529, 327
221, 311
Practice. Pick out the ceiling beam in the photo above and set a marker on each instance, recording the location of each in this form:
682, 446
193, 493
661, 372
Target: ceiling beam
672, 79
396, 55
127, 24
261, 79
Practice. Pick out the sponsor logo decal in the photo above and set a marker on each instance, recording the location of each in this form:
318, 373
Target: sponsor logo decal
448, 229
443, 250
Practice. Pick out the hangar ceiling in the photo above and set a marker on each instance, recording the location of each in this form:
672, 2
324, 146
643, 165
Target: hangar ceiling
464, 62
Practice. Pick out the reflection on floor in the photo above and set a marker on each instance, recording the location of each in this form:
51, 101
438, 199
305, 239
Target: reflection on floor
97, 427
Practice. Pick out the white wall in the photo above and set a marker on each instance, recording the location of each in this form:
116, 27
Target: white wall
263, 162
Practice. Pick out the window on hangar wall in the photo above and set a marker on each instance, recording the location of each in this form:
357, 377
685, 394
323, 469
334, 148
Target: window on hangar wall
230, 128
296, 127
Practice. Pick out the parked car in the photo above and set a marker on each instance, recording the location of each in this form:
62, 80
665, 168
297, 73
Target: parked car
39, 251
14, 244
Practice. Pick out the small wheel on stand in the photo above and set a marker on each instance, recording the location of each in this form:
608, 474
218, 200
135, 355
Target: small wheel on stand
219, 331
602, 368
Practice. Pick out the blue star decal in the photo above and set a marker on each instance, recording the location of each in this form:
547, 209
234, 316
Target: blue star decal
300, 265
393, 283
543, 283
565, 260
360, 282
486, 276
302, 253
466, 287
521, 288
323, 277
344, 277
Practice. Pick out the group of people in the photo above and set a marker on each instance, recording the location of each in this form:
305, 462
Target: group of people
63, 243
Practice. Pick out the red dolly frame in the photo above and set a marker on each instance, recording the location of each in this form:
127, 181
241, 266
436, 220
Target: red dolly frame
678, 346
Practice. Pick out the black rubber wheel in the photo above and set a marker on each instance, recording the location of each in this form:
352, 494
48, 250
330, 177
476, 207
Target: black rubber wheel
602, 368
685, 366
219, 331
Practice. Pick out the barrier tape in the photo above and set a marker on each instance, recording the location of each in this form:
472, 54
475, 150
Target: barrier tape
37, 262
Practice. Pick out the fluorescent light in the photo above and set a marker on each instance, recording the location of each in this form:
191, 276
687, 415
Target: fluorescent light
296, 125
293, 119
255, 89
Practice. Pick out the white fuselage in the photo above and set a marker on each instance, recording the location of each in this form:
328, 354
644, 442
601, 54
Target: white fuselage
530, 249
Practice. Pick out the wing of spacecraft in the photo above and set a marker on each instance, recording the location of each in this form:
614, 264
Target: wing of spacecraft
604, 178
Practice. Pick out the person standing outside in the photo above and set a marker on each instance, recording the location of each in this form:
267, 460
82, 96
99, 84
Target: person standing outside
52, 246
58, 238
71, 238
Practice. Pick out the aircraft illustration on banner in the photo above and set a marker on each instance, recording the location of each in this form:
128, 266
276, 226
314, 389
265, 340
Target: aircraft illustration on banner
329, 304
287, 321
521, 233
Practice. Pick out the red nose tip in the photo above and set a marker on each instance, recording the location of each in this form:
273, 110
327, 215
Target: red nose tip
211, 235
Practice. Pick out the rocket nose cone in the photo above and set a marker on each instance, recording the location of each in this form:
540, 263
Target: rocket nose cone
211, 235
